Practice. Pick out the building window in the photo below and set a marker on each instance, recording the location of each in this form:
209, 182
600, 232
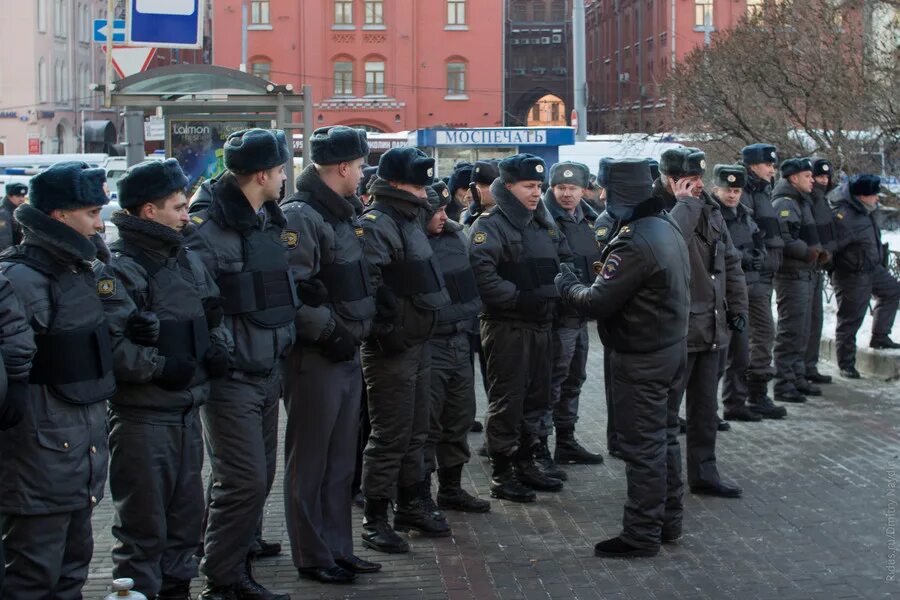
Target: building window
518, 11
343, 12
558, 11
60, 18
456, 12
259, 12
554, 111
42, 81
374, 12
536, 112
42, 15
456, 79
538, 10
754, 7
84, 93
375, 78
60, 81
262, 69
343, 78
703, 13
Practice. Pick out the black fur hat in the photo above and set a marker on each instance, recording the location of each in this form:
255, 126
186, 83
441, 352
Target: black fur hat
572, 173
682, 162
333, 145
865, 185
151, 180
485, 171
68, 185
16, 189
406, 164
792, 166
755, 154
253, 150
730, 176
522, 167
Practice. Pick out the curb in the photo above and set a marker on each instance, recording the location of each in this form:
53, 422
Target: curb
875, 363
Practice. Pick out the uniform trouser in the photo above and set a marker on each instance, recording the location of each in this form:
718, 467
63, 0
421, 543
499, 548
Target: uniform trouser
761, 330
816, 318
793, 292
320, 452
157, 489
645, 388
476, 348
452, 402
570, 352
365, 428
734, 361
518, 370
699, 385
240, 424
399, 401
47, 556
612, 438
853, 293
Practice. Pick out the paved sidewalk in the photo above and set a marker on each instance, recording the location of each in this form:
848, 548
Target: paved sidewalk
818, 520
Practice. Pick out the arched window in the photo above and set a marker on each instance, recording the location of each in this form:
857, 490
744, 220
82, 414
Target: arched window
375, 76
343, 76
456, 77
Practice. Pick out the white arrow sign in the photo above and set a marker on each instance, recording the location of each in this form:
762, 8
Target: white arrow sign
131, 60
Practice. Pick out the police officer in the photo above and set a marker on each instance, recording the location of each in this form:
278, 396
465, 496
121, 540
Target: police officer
761, 161
575, 220
718, 304
484, 173
239, 238
458, 185
641, 300
396, 361
53, 463
794, 283
825, 227
452, 373
515, 250
748, 241
860, 270
10, 231
362, 190
325, 373
156, 445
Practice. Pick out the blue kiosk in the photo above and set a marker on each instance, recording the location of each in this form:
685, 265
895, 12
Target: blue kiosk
449, 146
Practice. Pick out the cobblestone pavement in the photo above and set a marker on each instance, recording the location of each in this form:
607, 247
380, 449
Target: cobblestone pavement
818, 520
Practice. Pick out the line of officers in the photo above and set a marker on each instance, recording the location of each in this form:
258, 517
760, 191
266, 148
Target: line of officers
188, 330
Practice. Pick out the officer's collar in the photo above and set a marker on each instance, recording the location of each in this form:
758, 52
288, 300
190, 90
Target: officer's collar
755, 183
784, 189
558, 212
147, 234
59, 239
515, 211
406, 204
311, 188
231, 208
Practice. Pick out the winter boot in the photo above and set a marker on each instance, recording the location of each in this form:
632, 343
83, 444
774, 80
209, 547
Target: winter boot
378, 534
505, 483
545, 461
414, 513
569, 451
451, 496
531, 474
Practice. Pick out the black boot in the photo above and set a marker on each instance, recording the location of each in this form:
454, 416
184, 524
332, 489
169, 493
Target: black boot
218, 592
505, 483
569, 451
814, 376
263, 549
248, 589
476, 427
175, 589
451, 496
530, 473
760, 402
546, 463
378, 534
413, 512
428, 501
882, 341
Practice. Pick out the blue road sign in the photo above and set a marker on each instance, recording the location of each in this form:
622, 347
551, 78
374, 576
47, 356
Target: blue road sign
165, 23
118, 31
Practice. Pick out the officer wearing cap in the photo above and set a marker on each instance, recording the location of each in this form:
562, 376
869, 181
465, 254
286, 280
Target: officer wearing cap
823, 183
729, 181
860, 271
484, 172
515, 250
325, 376
458, 185
53, 462
575, 219
240, 240
10, 231
452, 372
641, 300
718, 304
396, 362
156, 445
362, 190
794, 282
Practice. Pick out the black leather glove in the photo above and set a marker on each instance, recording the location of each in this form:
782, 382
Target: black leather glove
212, 308
312, 292
564, 280
387, 304
532, 304
14, 406
736, 321
341, 345
176, 374
143, 328
758, 262
216, 361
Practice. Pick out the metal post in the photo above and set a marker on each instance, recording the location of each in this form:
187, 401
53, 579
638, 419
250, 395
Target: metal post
580, 78
134, 135
107, 85
244, 19
307, 123
282, 121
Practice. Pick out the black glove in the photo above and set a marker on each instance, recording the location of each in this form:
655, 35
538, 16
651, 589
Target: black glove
312, 292
214, 311
143, 328
758, 262
531, 304
341, 345
176, 374
216, 361
13, 408
564, 280
736, 322
387, 304
886, 256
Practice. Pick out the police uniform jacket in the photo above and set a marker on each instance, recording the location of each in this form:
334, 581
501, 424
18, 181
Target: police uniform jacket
244, 253
859, 247
16, 341
717, 281
825, 227
451, 250
323, 243
746, 236
798, 225
10, 232
513, 250
757, 196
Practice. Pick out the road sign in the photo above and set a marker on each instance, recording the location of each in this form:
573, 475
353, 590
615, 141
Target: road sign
118, 31
165, 23
131, 60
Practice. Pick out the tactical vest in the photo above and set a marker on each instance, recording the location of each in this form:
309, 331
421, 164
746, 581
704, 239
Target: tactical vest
765, 217
459, 278
583, 244
538, 262
172, 295
74, 354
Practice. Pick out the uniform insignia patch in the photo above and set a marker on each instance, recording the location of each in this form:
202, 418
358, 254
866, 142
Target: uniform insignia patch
552, 232
732, 179
773, 155
445, 193
371, 216
106, 287
826, 168
611, 266
197, 220
430, 172
360, 231
290, 238
480, 237
625, 229
2, 224
702, 163
539, 168
602, 232
784, 213
598, 267
839, 215
568, 173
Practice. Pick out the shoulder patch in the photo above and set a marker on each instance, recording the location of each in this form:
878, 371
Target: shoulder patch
480, 237
839, 215
359, 231
784, 213
197, 220
290, 238
2, 224
106, 287
602, 232
611, 266
626, 230
371, 216
552, 233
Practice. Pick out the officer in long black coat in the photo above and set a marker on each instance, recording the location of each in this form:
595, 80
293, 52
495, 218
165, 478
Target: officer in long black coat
10, 231
641, 299
823, 183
